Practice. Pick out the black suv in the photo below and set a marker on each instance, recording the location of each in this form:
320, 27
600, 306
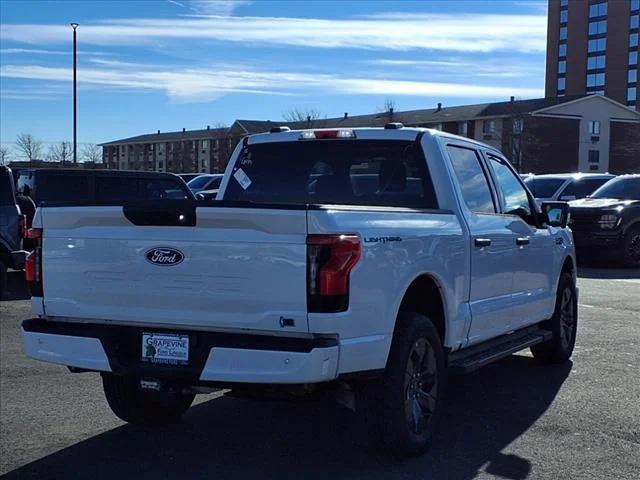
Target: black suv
609, 220
12, 228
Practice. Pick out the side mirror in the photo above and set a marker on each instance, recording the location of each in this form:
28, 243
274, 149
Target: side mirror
556, 213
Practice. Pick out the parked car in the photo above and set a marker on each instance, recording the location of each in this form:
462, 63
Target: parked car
12, 228
60, 184
385, 290
608, 221
187, 177
205, 182
565, 186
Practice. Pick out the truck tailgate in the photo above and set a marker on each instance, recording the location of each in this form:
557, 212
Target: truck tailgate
236, 268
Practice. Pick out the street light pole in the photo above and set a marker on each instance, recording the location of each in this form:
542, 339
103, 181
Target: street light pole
75, 95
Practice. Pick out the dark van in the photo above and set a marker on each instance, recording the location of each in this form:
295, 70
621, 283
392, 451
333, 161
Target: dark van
62, 185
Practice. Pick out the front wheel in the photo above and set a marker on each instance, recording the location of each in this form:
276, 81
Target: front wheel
632, 248
563, 325
403, 407
136, 406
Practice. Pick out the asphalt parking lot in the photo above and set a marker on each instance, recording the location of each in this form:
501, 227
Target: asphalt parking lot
512, 420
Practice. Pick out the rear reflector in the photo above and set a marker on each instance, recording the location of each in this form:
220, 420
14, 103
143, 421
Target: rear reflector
330, 259
33, 265
324, 134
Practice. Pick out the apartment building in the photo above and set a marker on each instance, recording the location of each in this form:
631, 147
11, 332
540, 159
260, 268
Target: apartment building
592, 48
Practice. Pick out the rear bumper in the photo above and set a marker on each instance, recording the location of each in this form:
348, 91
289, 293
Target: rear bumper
214, 357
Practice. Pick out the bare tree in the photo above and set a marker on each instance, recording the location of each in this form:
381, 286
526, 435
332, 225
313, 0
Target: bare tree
29, 146
389, 106
309, 115
4, 155
60, 152
92, 153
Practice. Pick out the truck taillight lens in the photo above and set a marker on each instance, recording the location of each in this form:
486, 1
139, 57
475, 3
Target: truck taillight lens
330, 259
33, 265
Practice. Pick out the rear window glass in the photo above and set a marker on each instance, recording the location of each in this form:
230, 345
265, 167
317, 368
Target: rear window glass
347, 172
113, 188
63, 188
544, 187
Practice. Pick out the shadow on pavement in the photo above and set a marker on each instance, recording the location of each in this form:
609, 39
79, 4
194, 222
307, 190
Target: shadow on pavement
16, 286
609, 273
242, 439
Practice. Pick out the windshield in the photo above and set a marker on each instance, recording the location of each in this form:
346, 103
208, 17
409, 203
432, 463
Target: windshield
544, 187
623, 188
347, 172
199, 182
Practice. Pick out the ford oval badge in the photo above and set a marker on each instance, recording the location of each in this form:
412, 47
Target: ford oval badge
164, 256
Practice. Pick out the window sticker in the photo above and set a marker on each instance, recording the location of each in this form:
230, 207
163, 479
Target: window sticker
242, 179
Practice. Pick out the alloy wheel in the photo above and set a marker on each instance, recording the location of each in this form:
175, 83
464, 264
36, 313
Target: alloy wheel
421, 386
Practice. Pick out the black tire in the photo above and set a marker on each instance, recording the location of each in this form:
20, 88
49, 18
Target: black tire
631, 252
140, 407
401, 409
3, 279
563, 325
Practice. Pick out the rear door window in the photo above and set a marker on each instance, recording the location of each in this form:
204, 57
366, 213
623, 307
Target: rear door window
472, 179
348, 172
116, 188
544, 187
162, 189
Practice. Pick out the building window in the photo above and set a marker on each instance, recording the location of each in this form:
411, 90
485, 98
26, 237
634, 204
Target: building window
632, 77
488, 126
594, 156
564, 16
598, 10
633, 58
561, 84
593, 63
562, 66
633, 21
599, 45
517, 125
563, 33
564, 3
631, 94
597, 28
562, 50
205, 143
595, 80
633, 40
635, 5
594, 127
463, 128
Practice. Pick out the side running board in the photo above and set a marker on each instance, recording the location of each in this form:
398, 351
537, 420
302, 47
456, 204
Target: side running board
472, 358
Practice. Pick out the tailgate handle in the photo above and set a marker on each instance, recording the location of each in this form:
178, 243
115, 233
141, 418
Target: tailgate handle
167, 215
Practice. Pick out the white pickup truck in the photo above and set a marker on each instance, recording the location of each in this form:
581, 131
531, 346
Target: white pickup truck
377, 259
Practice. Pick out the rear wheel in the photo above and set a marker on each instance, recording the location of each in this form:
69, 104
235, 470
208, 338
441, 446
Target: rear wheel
563, 325
632, 248
403, 407
137, 406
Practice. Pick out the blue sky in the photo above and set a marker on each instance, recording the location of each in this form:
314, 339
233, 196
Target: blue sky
149, 65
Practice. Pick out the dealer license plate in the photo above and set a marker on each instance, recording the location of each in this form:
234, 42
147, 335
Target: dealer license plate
166, 348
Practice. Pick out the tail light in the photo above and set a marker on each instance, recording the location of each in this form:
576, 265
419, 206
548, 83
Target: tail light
330, 259
33, 265
23, 226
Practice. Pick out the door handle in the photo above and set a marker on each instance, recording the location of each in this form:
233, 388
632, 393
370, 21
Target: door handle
482, 242
522, 241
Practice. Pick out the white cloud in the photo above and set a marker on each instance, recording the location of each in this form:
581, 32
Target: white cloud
217, 7
196, 85
444, 32
37, 51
